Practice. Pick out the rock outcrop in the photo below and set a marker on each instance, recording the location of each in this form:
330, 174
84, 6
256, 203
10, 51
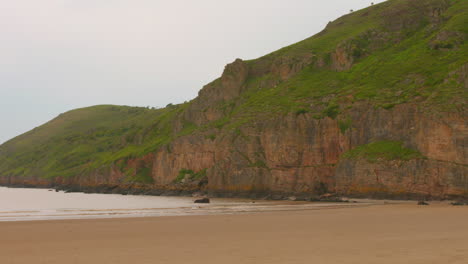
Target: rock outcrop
213, 145
306, 156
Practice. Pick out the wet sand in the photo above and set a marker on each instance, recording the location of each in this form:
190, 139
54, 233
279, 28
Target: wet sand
397, 233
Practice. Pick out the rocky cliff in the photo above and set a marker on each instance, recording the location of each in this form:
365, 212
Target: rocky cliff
373, 106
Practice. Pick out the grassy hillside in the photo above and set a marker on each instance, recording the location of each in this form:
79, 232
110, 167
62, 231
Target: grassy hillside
85, 139
393, 65
396, 52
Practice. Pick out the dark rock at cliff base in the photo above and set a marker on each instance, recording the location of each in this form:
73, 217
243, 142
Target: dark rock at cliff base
203, 200
155, 192
422, 203
334, 200
459, 203
276, 197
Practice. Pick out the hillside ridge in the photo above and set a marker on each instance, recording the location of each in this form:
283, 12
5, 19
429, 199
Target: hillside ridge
373, 105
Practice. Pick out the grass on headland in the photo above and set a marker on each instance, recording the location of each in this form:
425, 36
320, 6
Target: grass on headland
410, 70
383, 150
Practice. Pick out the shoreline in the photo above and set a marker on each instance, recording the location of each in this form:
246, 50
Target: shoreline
253, 195
138, 206
107, 216
172, 192
69, 206
390, 233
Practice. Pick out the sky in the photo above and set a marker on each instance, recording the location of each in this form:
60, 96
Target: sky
58, 55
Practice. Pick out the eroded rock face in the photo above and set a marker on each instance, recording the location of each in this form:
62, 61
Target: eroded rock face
228, 86
300, 154
409, 179
414, 14
297, 153
342, 59
285, 67
447, 40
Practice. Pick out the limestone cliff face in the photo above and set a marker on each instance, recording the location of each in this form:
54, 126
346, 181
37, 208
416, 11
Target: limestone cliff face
229, 86
298, 153
301, 152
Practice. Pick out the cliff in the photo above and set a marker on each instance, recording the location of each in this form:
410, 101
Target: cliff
372, 106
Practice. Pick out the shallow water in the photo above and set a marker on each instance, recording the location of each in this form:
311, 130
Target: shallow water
20, 204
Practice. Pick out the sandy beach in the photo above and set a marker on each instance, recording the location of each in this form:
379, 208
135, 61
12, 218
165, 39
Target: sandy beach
396, 233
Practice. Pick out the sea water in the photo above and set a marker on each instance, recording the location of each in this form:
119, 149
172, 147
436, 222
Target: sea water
21, 204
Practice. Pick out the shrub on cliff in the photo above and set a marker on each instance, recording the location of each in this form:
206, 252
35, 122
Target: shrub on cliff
387, 150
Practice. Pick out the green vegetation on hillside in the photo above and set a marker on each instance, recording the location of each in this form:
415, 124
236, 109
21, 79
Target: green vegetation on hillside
400, 51
86, 139
403, 66
387, 150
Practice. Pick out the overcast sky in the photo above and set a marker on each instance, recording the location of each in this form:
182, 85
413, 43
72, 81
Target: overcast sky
57, 55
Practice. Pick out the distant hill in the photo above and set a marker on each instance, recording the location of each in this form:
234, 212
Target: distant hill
372, 106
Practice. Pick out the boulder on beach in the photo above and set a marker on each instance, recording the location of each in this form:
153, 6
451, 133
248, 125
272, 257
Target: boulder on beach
202, 200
